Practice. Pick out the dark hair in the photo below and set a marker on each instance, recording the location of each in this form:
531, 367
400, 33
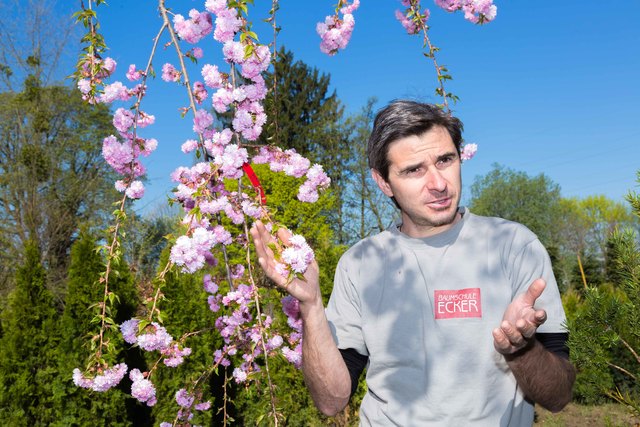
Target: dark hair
402, 118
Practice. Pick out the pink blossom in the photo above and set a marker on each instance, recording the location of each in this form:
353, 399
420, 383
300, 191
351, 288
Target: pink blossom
316, 180
335, 32
108, 378
212, 77
135, 190
202, 121
149, 146
221, 235
133, 74
199, 92
158, 339
258, 62
204, 406
114, 91
468, 151
120, 185
409, 23
223, 137
118, 155
233, 51
123, 120
297, 165
256, 91
227, 25
129, 330
109, 66
294, 356
195, 28
84, 85
189, 145
209, 285
145, 119
216, 6
197, 52
174, 355
184, 398
142, 389
239, 375
231, 161
221, 100
192, 252
170, 74
298, 255
476, 11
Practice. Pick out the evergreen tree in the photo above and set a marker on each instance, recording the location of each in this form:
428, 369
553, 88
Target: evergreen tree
604, 336
76, 406
28, 347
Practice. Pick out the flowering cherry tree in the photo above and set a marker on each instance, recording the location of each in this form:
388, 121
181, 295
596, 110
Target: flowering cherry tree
222, 184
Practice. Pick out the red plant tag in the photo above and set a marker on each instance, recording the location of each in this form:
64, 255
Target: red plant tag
254, 181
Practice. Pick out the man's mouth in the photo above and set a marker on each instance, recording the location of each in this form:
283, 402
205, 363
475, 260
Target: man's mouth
444, 202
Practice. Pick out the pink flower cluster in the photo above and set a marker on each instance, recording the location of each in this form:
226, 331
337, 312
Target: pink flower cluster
293, 352
240, 331
468, 151
411, 19
142, 389
249, 115
335, 32
170, 73
199, 186
296, 257
186, 401
154, 338
106, 379
193, 29
476, 11
191, 252
123, 154
293, 164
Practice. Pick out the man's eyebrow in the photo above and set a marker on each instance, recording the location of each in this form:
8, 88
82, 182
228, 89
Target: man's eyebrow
411, 167
447, 155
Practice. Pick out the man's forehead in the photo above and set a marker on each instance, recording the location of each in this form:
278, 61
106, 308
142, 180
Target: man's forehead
434, 143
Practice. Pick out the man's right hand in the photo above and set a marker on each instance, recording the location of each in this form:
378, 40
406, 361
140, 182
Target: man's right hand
306, 291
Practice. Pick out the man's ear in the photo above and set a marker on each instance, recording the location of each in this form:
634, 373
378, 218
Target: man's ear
382, 183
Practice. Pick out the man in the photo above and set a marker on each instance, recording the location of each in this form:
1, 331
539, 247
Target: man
458, 316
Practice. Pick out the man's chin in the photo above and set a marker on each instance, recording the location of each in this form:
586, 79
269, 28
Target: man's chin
445, 216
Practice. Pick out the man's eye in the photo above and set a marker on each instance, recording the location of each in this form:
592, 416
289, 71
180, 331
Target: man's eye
445, 161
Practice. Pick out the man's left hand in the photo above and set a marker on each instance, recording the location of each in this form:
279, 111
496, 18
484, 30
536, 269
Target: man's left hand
520, 321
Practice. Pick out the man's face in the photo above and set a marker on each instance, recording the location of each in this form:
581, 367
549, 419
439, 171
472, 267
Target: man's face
424, 178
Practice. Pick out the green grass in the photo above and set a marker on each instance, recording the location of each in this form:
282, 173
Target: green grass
574, 415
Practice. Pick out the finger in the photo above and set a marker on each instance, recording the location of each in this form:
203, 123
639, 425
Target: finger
526, 329
512, 333
260, 239
500, 341
534, 291
540, 317
284, 235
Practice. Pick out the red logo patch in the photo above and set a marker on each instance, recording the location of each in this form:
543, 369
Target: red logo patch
458, 303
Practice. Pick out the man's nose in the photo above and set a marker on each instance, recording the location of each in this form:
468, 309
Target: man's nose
435, 181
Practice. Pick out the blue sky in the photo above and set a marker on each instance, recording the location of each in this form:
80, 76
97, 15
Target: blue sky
548, 87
